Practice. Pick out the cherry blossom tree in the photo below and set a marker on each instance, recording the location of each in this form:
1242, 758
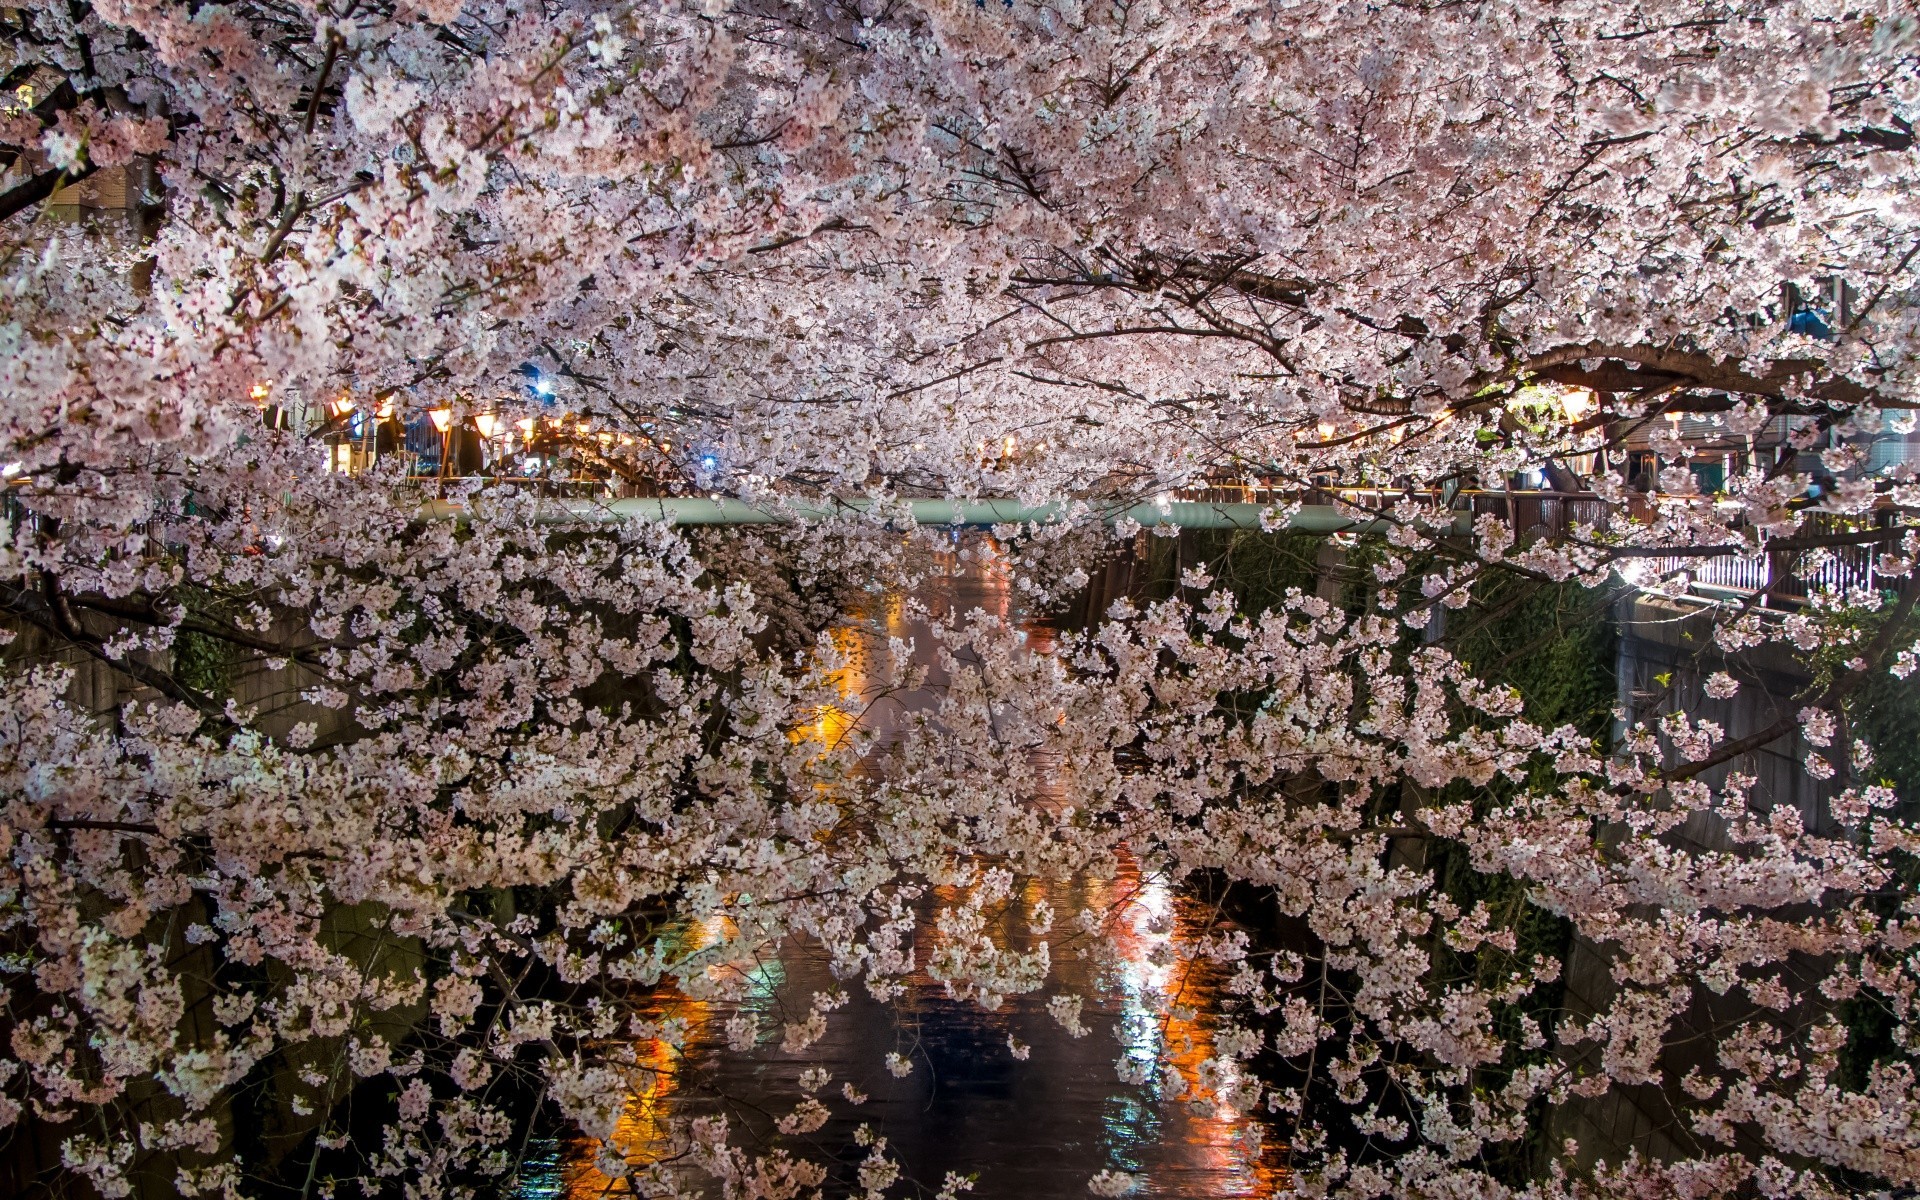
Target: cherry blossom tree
1092, 254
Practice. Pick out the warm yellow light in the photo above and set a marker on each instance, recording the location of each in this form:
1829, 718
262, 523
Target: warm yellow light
441, 417
486, 423
260, 392
526, 426
1325, 430
1575, 404
386, 408
343, 405
1009, 447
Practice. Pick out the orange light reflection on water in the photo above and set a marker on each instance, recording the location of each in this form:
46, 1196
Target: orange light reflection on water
646, 1131
1167, 1004
1161, 998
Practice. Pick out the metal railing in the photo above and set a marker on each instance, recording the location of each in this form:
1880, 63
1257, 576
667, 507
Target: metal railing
1778, 578
1782, 578
1788, 578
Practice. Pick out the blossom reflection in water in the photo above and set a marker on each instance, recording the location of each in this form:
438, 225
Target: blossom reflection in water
969, 1106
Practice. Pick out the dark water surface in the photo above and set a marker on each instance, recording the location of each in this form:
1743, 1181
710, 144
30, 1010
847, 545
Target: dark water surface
1025, 1130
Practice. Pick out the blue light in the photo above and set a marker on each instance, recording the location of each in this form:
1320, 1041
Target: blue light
542, 387
709, 463
1810, 323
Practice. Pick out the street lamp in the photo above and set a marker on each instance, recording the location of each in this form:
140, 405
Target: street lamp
340, 442
487, 423
442, 419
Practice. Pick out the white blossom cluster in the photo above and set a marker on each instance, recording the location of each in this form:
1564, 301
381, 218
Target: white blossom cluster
1044, 250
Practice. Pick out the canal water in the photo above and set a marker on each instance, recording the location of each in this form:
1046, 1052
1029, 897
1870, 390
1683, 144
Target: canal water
1022, 1130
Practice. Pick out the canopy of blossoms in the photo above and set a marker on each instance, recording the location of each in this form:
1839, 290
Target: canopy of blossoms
823, 260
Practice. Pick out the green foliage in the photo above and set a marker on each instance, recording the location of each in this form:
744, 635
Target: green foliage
1555, 643
203, 663
1257, 567
1885, 713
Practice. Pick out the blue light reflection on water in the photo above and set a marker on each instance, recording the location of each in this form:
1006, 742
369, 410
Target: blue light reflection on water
1025, 1130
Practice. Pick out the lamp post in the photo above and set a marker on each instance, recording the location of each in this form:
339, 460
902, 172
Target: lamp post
342, 408
442, 419
526, 427
487, 423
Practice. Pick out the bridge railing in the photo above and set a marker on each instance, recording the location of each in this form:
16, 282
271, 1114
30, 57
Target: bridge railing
1782, 578
1779, 578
